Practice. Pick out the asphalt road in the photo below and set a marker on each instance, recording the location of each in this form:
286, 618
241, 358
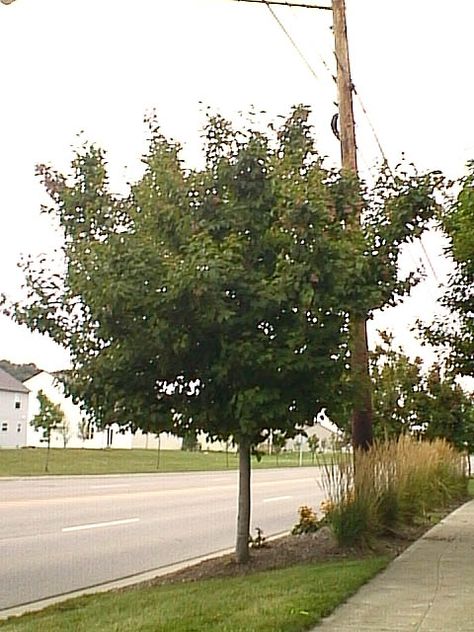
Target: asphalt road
62, 534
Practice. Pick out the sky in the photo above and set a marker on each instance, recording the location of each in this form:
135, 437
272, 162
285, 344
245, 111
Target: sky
80, 70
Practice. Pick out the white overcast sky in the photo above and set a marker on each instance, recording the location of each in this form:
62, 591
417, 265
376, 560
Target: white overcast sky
98, 66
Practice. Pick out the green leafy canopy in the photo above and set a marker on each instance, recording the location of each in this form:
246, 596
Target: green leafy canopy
218, 299
455, 333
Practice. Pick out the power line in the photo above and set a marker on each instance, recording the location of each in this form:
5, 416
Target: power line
377, 140
285, 31
321, 58
269, 4
366, 114
429, 261
291, 4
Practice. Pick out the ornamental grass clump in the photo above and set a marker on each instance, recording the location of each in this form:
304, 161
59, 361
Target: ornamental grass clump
431, 475
348, 513
394, 483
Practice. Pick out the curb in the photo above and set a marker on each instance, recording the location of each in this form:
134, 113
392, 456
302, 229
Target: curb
122, 582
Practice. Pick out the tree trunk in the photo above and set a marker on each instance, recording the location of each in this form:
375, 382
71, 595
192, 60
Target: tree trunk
46, 465
158, 453
243, 518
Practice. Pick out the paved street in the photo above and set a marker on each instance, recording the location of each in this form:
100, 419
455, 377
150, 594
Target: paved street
62, 534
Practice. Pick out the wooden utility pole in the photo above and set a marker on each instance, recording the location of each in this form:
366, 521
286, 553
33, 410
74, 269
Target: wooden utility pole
360, 380
361, 386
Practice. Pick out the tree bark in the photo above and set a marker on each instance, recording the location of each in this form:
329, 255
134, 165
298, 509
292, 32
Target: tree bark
243, 518
158, 453
46, 465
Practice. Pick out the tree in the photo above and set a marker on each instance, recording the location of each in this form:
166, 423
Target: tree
50, 417
21, 372
278, 440
313, 444
84, 429
449, 411
455, 333
190, 442
65, 431
408, 399
399, 395
217, 300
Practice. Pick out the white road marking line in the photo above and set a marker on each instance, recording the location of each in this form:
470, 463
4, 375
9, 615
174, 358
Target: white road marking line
109, 486
97, 525
275, 499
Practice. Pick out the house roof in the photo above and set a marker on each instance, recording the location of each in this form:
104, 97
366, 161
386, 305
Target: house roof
9, 383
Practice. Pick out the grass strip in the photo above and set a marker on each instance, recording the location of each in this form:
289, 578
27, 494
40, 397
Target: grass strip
288, 600
77, 461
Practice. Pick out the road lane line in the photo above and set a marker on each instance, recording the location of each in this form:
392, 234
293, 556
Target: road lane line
110, 486
275, 499
97, 525
154, 493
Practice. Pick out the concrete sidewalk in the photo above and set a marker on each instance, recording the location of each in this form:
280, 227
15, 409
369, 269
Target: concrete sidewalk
428, 588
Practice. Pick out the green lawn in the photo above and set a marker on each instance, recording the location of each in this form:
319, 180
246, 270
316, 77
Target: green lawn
288, 600
30, 461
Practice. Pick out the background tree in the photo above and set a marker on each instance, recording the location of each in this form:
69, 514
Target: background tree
313, 445
50, 417
409, 399
65, 431
449, 411
217, 300
190, 442
21, 372
278, 440
84, 429
399, 395
455, 333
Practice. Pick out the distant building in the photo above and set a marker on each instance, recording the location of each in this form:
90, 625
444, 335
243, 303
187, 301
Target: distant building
328, 434
79, 431
13, 411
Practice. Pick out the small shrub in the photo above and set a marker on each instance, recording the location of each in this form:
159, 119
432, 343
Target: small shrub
308, 521
326, 506
259, 541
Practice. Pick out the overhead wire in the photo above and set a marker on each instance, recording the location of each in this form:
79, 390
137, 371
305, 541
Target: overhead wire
385, 159
293, 4
290, 38
309, 66
429, 262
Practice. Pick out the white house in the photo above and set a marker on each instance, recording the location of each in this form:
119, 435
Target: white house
13, 411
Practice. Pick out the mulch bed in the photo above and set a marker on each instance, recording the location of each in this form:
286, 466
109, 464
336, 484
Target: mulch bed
288, 550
